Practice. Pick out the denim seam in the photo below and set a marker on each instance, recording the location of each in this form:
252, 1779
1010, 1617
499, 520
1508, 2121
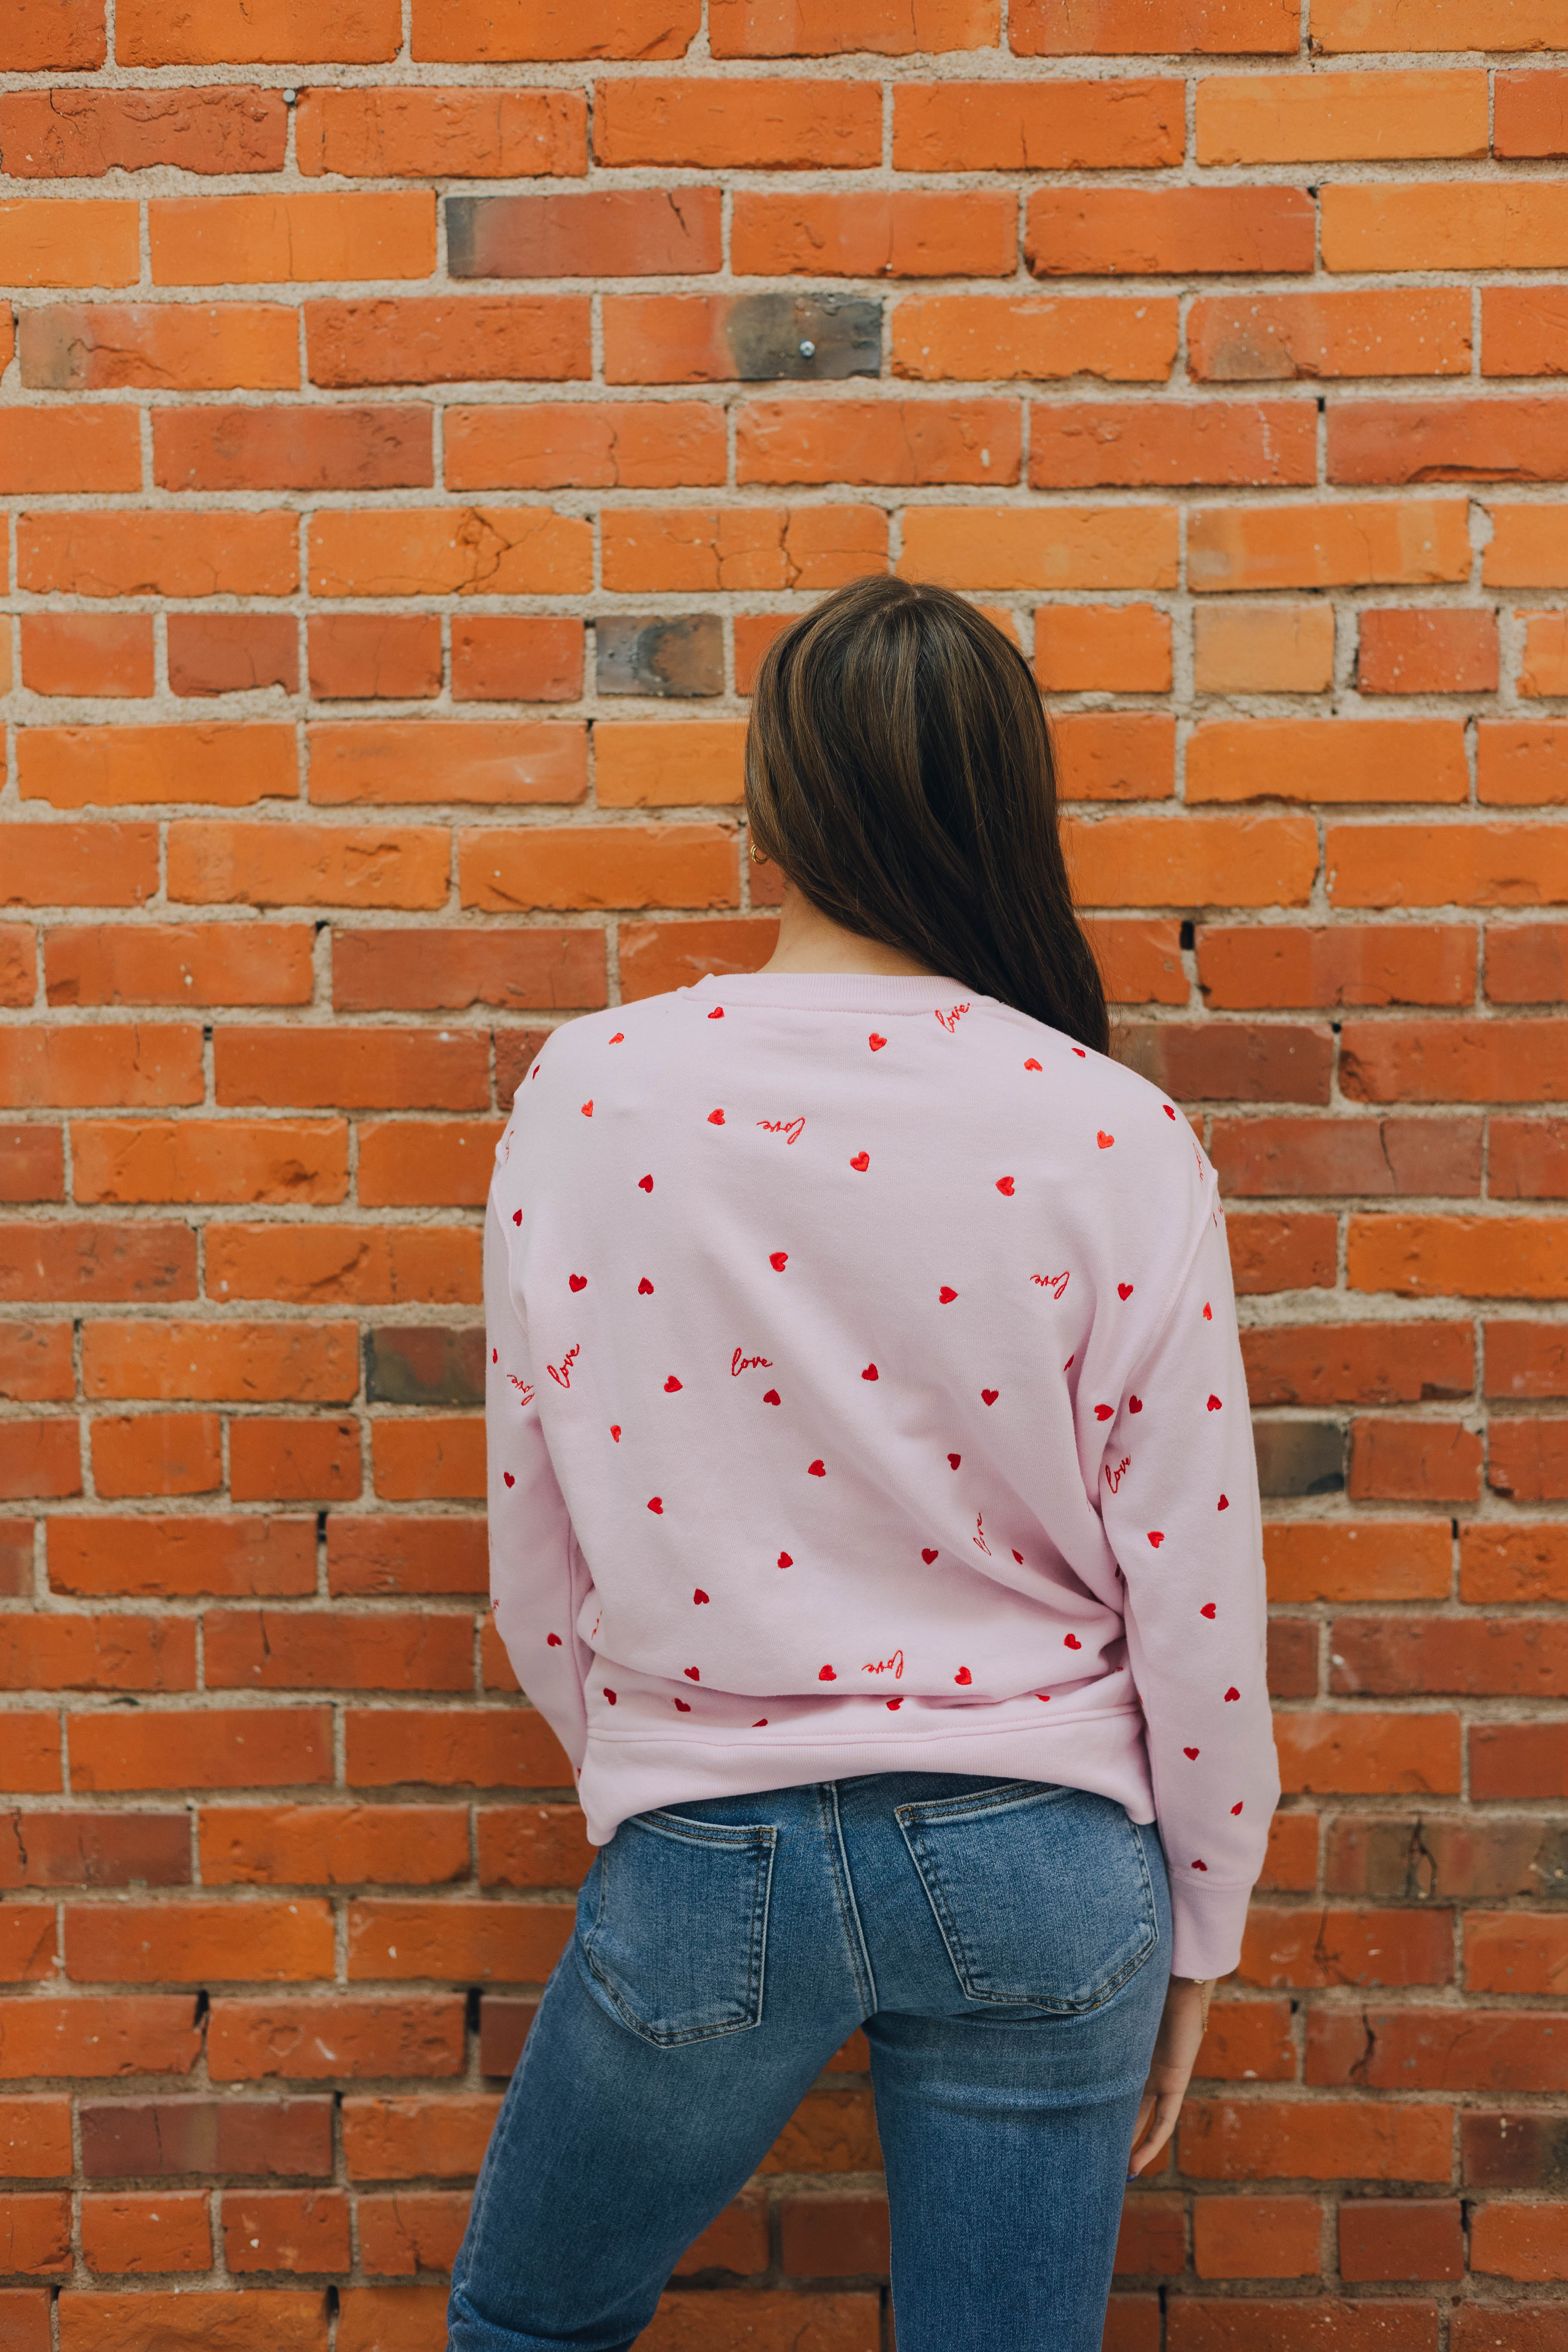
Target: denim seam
844, 1892
763, 1839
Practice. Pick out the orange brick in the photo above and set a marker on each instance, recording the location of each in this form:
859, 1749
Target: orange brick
446, 339
254, 1649
430, 2136
1447, 1256
1378, 1754
483, 1747
1351, 24
1257, 2237
36, 2230
523, 659
187, 346
1154, 28
456, 32
1334, 118
1185, 232
1329, 760
698, 547
1506, 1953
359, 656
286, 2230
620, 865
1041, 548
447, 971
101, 1064
594, 233
50, 137
1361, 963
402, 763
164, 1557
1524, 330
1521, 764
450, 135
979, 337
1354, 545
325, 1845
728, 125
385, 1555
1104, 648
116, 767
277, 447
609, 445
875, 233
380, 1069
309, 865
1262, 648
33, 1168
41, 40
450, 551
1525, 964
1115, 755
1529, 549
640, 763
155, 2231
207, 1161
426, 1163
817, 28
1326, 2139
275, 32
197, 1942
184, 555
68, 241
1264, 338
1448, 441
1528, 113
1544, 668
439, 1459
1151, 861
1459, 864
861, 441
54, 1650
1375, 1561
189, 2318
30, 1753
1037, 126
1515, 2242
1466, 224
157, 1453
1074, 444
36, 1364
250, 1363
656, 957
70, 449
1432, 652
306, 2040
1512, 1564
324, 1265
88, 652
292, 239
215, 1748
39, 1459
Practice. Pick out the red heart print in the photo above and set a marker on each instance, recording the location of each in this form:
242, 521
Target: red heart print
927, 1556
1104, 1140
1232, 1693
552, 1640
1019, 1558
717, 1013
989, 1396
1032, 1065
1224, 1502
692, 1673
578, 1281
871, 1373
1208, 1611
610, 1695
506, 1479
894, 1705
1124, 1290
1004, 1185
517, 1216
1134, 1404
827, 1675
876, 1042
817, 1469
1237, 1808
1045, 1695
715, 1118
616, 1431
698, 1597
771, 1396
1104, 1412
963, 1676
1156, 1536
644, 1288
862, 1161
1209, 1312
778, 1260
1214, 1404
644, 1183
760, 1723
671, 1385
619, 1038
656, 1504
785, 1561
684, 1705
1072, 1642
1080, 1052
946, 1295
954, 1460
1068, 1365
1190, 1752
1201, 1866
1168, 1111
495, 1355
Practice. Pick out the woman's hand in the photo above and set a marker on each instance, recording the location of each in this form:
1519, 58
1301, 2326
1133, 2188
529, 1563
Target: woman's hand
1169, 2070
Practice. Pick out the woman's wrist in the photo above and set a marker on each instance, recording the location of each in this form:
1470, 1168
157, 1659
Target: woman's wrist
1205, 1988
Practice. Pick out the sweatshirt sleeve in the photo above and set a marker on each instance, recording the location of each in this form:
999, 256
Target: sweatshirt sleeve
536, 1577
1185, 1525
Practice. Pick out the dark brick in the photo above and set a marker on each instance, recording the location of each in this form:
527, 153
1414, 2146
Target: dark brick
16, 1559
682, 656
1299, 1457
1365, 1363
1231, 1061
1298, 1157
164, 2138
1292, 1658
834, 2236
515, 1050
1484, 1657
594, 233
1426, 1858
504, 2021
765, 333
225, 653
95, 1849
439, 970
1514, 2151
424, 1363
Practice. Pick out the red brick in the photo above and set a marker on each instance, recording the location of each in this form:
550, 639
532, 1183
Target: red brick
83, 133
624, 445
1329, 760
486, 1748
450, 134
87, 653
39, 1459
1243, 968
444, 551
32, 1161
54, 1650
476, 1942
449, 970
295, 1461
1156, 28
704, 548
1508, 1953
286, 2230
1385, 117
325, 1845
1254, 337
28, 1942
86, 767
278, 448
1251, 2041
1257, 2237
875, 233
401, 866
1185, 231
157, 1453
305, 2039
193, 1942
34, 2139
233, 653
1077, 443
1298, 1949
456, 32
1519, 2242
214, 1748
83, 1849
1509, 1563
1414, 1461
1453, 440
361, 655
380, 1069
290, 238
162, 554
446, 339
154, 2232
210, 1160
62, 34
189, 2320
1368, 1363
1529, 113
628, 866
1326, 2139
1528, 1160
99, 1262
1377, 1754
1355, 544
62, 241
1416, 1656
1036, 126
430, 2138
498, 659
978, 337
18, 963
1521, 763
88, 449
1518, 1759
319, 1264
36, 1366
726, 124
802, 29
1435, 2049
36, 2234
1428, 652
598, 232
30, 1758
159, 346
426, 1163
1403, 2241
839, 440
276, 32
182, 1556
1524, 329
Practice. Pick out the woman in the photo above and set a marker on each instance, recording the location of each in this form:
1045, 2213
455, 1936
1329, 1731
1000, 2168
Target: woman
873, 1517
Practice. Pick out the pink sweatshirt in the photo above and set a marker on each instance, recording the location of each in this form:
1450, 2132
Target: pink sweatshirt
865, 1396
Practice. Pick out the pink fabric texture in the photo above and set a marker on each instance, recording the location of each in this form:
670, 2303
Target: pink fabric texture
864, 1395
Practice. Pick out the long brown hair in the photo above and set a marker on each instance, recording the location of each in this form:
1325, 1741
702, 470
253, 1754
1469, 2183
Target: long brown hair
899, 770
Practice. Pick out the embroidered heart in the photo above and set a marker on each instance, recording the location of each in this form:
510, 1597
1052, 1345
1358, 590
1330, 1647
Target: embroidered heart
989, 1396
771, 1396
715, 1118
1032, 1065
1005, 1184
506, 1479
610, 1696
1135, 1404
1190, 1752
862, 1161
619, 1038
717, 1013
552, 1640
927, 1556
692, 1673
785, 1561
1068, 1365
760, 1723
588, 1108
876, 1042
1214, 1404
671, 1385
1208, 1611
954, 1460
1237, 1808
698, 1597
1104, 1140
963, 1676
1156, 1536
1200, 1865
644, 1288
495, 1355
1124, 1290
1045, 1695
1224, 1502
871, 1373
827, 1675
1080, 1052
893, 1706
578, 1281
656, 1504
1072, 1642
1104, 1412
644, 1183
1231, 1692
616, 1431
1209, 1312
1019, 1558
817, 1469
517, 1216
1168, 1111
684, 1705
945, 1295
778, 1260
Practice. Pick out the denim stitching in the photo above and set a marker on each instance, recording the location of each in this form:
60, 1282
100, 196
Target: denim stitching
762, 1839
844, 1892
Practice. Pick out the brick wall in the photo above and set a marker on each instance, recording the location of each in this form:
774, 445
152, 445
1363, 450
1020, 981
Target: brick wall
418, 416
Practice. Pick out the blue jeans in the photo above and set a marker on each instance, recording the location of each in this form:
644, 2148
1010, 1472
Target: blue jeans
1004, 1943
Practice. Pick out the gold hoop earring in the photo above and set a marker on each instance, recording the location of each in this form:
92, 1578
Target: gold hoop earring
756, 855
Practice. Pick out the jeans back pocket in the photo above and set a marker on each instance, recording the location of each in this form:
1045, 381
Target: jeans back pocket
1042, 1894
676, 1934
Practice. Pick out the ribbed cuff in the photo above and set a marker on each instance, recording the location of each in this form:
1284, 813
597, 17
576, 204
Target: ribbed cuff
1207, 1929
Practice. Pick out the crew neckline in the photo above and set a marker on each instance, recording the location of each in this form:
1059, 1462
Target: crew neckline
842, 992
